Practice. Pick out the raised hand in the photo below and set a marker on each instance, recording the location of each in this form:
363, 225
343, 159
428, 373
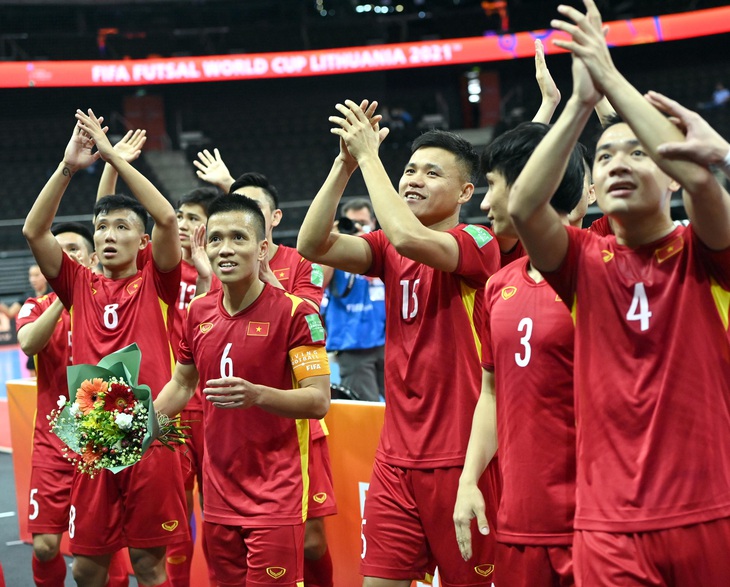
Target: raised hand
92, 126
198, 255
588, 40
130, 146
79, 152
358, 128
213, 170
548, 88
702, 145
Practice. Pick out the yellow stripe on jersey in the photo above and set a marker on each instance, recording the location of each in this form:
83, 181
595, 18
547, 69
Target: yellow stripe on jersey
468, 297
164, 308
295, 301
303, 436
722, 300
574, 309
325, 430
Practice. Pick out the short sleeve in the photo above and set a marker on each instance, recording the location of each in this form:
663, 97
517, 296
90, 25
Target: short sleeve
479, 255
564, 279
307, 328
167, 283
184, 353
486, 331
378, 243
63, 284
29, 313
716, 262
309, 281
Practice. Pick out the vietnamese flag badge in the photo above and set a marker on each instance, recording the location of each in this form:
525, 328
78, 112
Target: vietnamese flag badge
258, 329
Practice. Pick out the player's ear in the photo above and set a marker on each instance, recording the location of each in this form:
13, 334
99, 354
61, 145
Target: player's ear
276, 218
263, 249
144, 241
467, 190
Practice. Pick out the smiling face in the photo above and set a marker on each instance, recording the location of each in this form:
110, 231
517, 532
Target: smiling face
232, 247
626, 180
189, 217
434, 185
118, 237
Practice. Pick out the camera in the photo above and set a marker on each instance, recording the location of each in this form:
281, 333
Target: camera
347, 226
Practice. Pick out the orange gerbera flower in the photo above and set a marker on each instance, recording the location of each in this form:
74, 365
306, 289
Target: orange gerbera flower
88, 394
89, 456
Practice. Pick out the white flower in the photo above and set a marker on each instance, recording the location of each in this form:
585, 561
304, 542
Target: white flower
139, 406
61, 402
74, 410
124, 421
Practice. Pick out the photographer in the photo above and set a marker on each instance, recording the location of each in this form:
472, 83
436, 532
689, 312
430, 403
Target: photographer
355, 314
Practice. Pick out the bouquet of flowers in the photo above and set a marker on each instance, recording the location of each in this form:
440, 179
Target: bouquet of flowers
109, 421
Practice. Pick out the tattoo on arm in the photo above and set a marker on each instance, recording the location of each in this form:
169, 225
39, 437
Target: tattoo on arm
67, 172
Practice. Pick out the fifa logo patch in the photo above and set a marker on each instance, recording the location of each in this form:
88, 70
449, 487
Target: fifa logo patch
484, 570
508, 292
320, 497
205, 327
275, 572
170, 526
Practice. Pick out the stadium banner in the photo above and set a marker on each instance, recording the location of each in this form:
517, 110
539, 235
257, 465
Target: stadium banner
351, 458
491, 47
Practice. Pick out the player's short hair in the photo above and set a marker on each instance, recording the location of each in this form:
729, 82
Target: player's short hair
200, 196
239, 203
358, 204
77, 228
453, 143
508, 154
258, 180
116, 202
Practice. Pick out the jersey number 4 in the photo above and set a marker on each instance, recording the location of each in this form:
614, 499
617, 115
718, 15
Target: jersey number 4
639, 309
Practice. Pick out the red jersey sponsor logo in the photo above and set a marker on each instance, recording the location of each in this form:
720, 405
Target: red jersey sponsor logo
258, 329
275, 572
282, 273
484, 570
508, 292
607, 255
669, 250
320, 497
205, 327
170, 526
134, 286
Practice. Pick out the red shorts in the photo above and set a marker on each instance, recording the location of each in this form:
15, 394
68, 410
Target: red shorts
191, 455
408, 527
321, 490
255, 556
688, 555
534, 566
142, 506
50, 500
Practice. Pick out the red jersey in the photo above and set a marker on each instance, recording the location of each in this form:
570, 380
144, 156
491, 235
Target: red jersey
255, 462
528, 344
432, 373
109, 314
517, 252
652, 380
298, 275
601, 226
51, 363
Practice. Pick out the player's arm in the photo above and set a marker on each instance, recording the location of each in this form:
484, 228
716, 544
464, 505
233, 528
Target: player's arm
536, 221
706, 201
10, 311
213, 170
178, 391
481, 449
130, 148
310, 400
34, 336
167, 250
405, 232
37, 228
317, 240
548, 89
